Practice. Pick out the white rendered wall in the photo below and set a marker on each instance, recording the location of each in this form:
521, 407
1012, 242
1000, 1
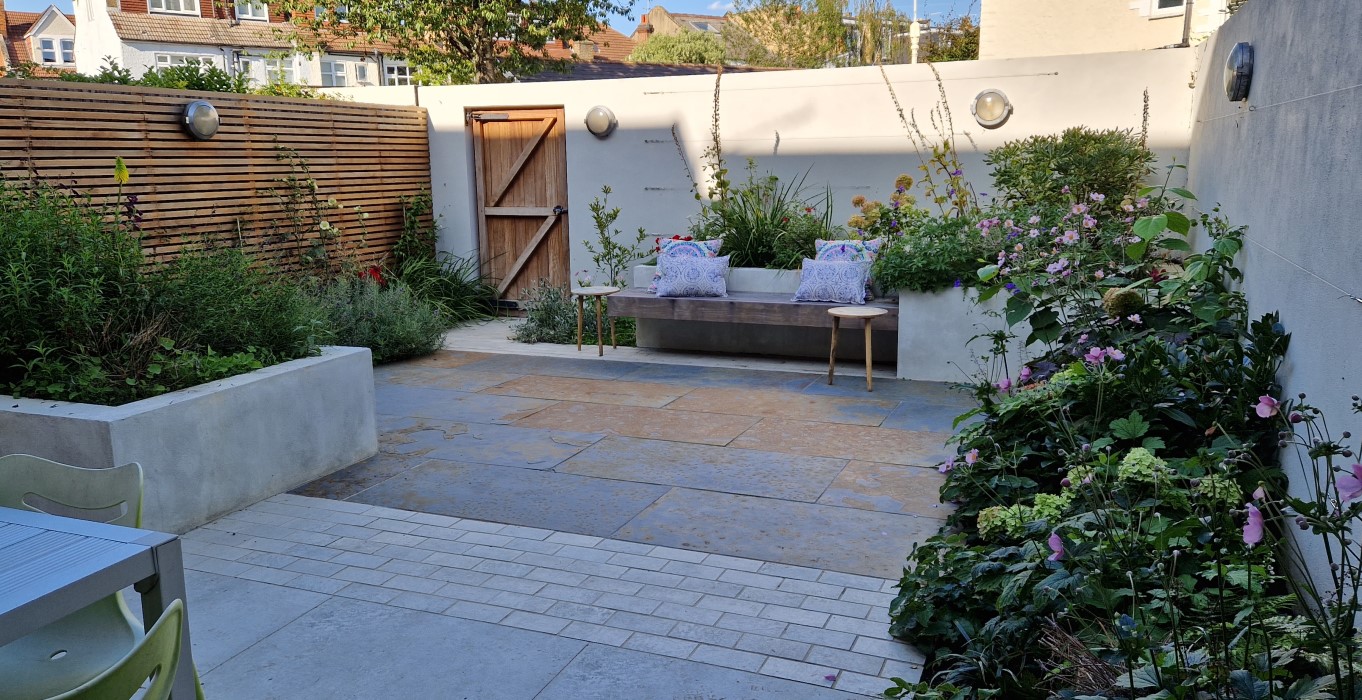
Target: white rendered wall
837, 124
96, 36
1020, 28
138, 57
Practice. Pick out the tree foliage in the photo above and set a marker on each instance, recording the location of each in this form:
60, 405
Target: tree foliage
683, 47
455, 41
787, 33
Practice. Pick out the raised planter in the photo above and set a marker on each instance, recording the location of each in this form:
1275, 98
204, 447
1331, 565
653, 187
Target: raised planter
214, 448
935, 329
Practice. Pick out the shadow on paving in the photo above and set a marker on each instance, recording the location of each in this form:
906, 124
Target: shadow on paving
769, 465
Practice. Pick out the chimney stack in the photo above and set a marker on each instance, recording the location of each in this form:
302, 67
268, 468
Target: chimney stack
585, 50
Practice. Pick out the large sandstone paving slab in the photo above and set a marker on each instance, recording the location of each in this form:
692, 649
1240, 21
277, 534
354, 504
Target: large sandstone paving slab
506, 445
439, 378
888, 488
593, 368
752, 472
849, 540
448, 404
784, 404
641, 422
565, 502
349, 481
604, 391
725, 377
905, 447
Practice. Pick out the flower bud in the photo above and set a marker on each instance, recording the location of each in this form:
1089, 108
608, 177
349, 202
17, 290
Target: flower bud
1301, 396
1347, 435
1295, 417
1087, 447
1065, 482
1302, 523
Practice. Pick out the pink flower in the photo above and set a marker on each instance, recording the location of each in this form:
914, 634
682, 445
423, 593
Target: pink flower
1083, 338
1033, 220
1097, 197
1134, 318
1095, 356
1099, 275
1267, 407
1064, 189
1069, 238
1350, 486
1127, 207
946, 466
1056, 546
1025, 373
1004, 386
1260, 494
1089, 222
1142, 202
1115, 355
972, 456
1253, 528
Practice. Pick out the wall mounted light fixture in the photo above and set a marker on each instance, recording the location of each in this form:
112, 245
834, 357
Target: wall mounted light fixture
991, 108
201, 119
1239, 72
600, 121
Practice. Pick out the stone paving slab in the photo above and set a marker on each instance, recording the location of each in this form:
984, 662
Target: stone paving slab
450, 405
887, 488
817, 439
561, 501
641, 422
553, 366
725, 377
461, 594
511, 446
360, 476
751, 472
601, 391
441, 378
923, 415
781, 404
805, 534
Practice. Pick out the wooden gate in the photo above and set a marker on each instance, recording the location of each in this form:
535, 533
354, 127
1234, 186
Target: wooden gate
520, 166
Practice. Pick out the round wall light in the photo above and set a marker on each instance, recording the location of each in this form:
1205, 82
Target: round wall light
201, 119
991, 108
1239, 72
600, 121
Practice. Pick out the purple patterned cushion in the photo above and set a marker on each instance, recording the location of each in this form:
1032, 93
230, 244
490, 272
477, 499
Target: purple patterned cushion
685, 276
841, 281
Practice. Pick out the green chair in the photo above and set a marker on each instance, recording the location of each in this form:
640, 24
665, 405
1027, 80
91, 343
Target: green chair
156, 657
84, 644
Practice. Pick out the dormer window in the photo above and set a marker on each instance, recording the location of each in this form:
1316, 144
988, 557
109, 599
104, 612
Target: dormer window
253, 10
331, 14
183, 7
57, 51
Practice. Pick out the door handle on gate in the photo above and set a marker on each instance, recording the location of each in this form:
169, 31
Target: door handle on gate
560, 210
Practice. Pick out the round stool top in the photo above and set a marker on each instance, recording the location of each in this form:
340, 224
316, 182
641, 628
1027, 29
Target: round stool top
597, 291
857, 311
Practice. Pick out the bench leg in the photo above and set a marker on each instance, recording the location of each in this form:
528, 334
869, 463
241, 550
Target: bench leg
832, 353
581, 310
868, 385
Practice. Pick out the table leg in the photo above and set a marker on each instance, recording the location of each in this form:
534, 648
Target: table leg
600, 331
581, 310
157, 594
832, 353
868, 385
613, 344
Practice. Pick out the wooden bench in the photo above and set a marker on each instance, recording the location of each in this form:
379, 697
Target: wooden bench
764, 308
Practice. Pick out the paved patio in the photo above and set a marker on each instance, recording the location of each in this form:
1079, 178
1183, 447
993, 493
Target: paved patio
547, 527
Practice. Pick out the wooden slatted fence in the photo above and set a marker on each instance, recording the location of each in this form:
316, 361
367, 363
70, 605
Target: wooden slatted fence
233, 188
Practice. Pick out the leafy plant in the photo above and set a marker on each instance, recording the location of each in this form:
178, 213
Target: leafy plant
386, 318
933, 254
608, 254
1050, 170
688, 46
766, 222
551, 317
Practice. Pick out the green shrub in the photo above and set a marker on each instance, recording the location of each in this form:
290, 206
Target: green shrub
1051, 170
551, 317
449, 283
387, 319
937, 254
766, 223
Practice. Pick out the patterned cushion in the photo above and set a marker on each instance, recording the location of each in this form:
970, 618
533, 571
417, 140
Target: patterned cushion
686, 276
841, 281
694, 249
847, 250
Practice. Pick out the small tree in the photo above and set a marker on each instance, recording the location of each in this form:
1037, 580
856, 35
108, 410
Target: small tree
790, 33
608, 254
684, 47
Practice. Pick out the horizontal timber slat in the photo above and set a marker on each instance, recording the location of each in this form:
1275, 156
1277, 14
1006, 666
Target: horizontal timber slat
738, 307
227, 190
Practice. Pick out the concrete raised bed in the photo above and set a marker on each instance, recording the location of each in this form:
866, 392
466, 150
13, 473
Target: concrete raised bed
214, 448
935, 330
740, 279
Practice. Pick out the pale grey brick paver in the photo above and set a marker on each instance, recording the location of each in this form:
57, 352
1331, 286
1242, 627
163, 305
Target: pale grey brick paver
798, 671
677, 554
772, 646
786, 621
477, 611
325, 504
626, 547
703, 633
667, 646
537, 623
640, 623
730, 658
599, 634
818, 635
890, 586
761, 595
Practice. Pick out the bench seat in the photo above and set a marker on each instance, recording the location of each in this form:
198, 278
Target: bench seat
764, 308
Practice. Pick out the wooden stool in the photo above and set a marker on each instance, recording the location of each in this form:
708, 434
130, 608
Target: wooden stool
599, 293
866, 314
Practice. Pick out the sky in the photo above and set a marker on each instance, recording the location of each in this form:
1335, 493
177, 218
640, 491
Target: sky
930, 9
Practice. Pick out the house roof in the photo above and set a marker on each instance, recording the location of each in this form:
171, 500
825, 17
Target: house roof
203, 31
608, 70
610, 46
17, 26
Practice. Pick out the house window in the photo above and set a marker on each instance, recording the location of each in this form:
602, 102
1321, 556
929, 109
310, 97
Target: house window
48, 47
334, 74
361, 74
68, 50
252, 9
167, 60
337, 13
280, 70
190, 7
1166, 8
399, 75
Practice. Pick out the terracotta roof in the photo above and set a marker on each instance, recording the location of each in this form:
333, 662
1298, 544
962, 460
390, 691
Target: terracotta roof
697, 18
611, 45
609, 70
17, 47
202, 31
